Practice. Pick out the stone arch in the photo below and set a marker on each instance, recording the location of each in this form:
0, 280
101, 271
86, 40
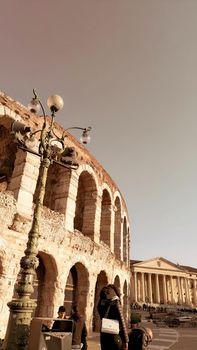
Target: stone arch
8, 151
117, 282
101, 281
46, 274
105, 224
125, 300
117, 228
125, 240
129, 244
44, 285
87, 168
77, 288
57, 188
70, 290
84, 220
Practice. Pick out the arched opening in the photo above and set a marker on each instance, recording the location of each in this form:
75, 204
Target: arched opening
100, 283
46, 277
125, 301
105, 226
70, 290
125, 241
56, 190
77, 288
44, 285
117, 229
117, 282
8, 151
85, 205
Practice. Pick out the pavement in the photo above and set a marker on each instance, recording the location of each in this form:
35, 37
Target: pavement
93, 342
164, 338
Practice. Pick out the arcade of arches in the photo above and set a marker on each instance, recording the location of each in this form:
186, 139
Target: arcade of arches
160, 282
84, 227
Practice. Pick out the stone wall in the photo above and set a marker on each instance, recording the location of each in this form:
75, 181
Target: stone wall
84, 227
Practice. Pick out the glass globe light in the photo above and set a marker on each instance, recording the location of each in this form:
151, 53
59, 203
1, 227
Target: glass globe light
55, 103
85, 137
34, 106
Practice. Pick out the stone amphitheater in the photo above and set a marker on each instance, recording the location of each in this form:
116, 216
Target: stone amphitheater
84, 226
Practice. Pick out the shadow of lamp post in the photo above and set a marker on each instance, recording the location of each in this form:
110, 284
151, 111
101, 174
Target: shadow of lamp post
51, 148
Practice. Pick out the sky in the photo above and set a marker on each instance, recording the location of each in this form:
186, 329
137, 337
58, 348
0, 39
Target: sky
128, 68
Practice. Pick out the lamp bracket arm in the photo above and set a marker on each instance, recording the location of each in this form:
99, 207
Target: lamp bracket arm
75, 127
72, 167
36, 97
43, 137
29, 150
57, 137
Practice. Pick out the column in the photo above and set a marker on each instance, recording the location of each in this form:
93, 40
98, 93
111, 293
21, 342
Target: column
186, 290
138, 287
164, 289
24, 180
195, 292
172, 290
150, 293
180, 297
157, 289
168, 290
182, 291
135, 286
143, 287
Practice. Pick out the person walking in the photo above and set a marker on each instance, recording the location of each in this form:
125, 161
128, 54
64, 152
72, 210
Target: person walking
109, 306
79, 336
139, 337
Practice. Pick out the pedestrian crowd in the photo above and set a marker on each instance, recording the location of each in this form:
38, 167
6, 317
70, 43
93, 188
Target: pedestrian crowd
113, 333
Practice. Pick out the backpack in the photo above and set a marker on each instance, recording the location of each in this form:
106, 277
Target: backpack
138, 339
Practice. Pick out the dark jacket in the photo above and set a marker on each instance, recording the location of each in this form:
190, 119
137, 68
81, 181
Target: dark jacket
79, 331
112, 341
58, 325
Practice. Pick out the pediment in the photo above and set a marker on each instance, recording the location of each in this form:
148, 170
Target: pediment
158, 263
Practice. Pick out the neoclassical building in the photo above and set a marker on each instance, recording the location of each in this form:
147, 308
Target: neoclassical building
159, 281
84, 227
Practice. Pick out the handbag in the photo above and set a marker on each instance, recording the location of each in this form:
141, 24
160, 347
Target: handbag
109, 325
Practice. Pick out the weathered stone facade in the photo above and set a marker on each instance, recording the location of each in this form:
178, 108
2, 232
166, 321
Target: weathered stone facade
160, 282
84, 229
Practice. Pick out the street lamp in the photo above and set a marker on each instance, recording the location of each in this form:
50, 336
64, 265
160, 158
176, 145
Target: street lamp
51, 148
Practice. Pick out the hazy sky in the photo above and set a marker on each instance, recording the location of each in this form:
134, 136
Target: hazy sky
128, 68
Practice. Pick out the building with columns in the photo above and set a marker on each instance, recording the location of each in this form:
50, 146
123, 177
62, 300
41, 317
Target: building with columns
84, 226
161, 282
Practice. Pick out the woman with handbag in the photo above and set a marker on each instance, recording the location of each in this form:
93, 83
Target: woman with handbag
113, 327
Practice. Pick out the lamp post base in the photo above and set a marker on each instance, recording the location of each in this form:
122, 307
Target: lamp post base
17, 335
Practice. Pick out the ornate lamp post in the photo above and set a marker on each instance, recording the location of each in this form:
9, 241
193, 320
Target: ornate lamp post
51, 149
